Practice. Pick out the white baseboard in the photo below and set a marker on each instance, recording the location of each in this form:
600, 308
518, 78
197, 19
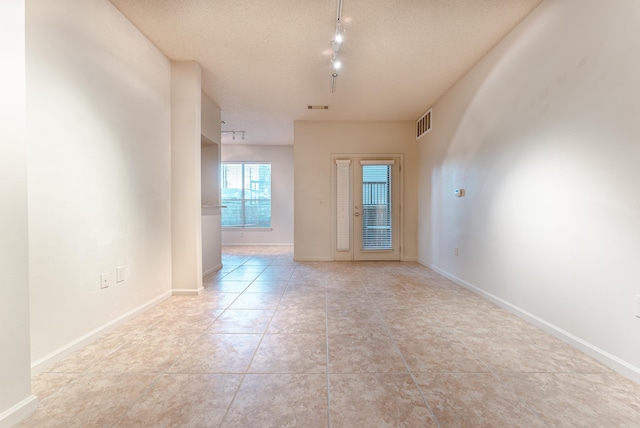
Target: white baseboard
18, 412
187, 291
212, 270
312, 259
47, 361
611, 361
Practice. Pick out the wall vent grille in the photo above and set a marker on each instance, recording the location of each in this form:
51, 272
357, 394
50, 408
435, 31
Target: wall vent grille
423, 125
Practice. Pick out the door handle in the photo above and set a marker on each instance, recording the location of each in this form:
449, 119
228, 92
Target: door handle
356, 214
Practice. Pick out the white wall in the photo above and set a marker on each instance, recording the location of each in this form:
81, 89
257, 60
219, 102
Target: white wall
315, 142
211, 222
210, 119
543, 136
211, 242
15, 371
281, 158
186, 178
99, 117
210, 182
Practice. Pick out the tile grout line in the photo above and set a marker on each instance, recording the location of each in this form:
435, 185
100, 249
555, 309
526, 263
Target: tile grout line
487, 365
490, 368
205, 333
397, 348
390, 325
326, 333
156, 379
145, 392
246, 371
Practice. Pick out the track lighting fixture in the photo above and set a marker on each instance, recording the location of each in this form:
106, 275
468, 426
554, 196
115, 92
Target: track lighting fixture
336, 45
233, 134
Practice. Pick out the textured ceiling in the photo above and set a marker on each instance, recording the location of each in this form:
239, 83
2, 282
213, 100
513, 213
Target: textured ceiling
264, 61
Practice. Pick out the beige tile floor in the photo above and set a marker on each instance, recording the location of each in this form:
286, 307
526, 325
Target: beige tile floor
273, 343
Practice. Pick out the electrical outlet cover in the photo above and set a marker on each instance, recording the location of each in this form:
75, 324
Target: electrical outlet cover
104, 280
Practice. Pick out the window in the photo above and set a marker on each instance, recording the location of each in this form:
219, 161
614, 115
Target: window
376, 207
246, 193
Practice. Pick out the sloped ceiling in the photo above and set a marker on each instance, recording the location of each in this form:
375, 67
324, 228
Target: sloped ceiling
263, 62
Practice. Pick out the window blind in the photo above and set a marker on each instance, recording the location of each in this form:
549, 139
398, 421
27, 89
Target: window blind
376, 205
343, 204
246, 193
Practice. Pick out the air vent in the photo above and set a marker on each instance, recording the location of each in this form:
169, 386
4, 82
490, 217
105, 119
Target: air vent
423, 125
318, 107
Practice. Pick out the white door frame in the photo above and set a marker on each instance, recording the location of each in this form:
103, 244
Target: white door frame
349, 255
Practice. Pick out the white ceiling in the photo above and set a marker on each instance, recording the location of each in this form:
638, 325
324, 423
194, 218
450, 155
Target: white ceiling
264, 61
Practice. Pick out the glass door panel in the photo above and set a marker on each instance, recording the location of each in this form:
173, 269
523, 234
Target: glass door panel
376, 211
377, 216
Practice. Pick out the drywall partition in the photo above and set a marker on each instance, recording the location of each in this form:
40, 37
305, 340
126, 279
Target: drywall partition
16, 400
210, 183
210, 119
543, 136
314, 144
281, 159
186, 205
211, 233
209, 161
99, 130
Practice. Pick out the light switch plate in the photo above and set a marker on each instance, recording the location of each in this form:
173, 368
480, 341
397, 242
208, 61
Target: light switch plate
120, 271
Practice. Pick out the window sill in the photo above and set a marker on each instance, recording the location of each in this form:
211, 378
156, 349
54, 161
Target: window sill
247, 229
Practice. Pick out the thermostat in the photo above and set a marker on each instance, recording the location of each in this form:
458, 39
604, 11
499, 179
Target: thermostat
458, 192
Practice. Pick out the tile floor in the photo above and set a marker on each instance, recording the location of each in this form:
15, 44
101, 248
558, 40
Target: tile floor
274, 343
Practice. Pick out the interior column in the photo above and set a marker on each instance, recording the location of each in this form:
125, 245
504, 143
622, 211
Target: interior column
186, 220
16, 400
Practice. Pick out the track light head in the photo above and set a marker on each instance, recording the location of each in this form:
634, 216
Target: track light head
339, 38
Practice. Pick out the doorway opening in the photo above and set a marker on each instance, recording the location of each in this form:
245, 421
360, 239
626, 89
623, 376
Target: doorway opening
367, 198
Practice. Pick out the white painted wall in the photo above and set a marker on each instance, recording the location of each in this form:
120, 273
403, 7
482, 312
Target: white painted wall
210, 119
543, 135
211, 226
210, 182
186, 178
314, 144
211, 242
99, 117
281, 158
15, 371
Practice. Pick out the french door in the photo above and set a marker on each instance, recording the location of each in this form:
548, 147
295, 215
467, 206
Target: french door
368, 208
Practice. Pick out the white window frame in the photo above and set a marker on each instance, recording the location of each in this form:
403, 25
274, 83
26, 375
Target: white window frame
243, 200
